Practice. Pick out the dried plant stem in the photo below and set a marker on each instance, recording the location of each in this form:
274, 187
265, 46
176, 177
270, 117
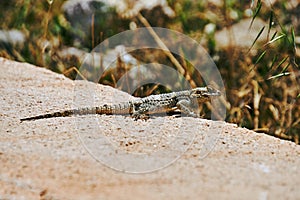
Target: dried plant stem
76, 70
47, 20
256, 101
93, 30
166, 50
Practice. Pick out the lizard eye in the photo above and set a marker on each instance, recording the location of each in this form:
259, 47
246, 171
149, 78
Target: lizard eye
197, 93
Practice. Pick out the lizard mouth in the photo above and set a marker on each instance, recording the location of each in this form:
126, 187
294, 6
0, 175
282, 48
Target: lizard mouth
210, 94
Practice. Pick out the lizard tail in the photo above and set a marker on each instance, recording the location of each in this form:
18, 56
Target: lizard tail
82, 111
50, 115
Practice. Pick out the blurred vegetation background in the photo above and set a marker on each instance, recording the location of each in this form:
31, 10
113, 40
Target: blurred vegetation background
255, 45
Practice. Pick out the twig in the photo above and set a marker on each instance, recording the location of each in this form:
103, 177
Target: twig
165, 48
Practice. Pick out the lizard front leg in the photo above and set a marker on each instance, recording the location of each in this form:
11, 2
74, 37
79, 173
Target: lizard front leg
186, 107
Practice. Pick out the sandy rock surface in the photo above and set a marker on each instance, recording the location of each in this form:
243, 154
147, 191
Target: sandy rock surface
106, 157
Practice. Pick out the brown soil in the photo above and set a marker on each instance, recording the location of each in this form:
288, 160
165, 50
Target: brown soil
48, 158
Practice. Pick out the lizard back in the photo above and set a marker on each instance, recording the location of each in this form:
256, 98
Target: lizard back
161, 103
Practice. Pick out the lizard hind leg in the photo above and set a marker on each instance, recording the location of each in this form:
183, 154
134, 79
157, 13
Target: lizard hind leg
138, 116
138, 112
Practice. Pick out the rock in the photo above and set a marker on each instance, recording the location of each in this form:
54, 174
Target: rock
12, 37
242, 35
48, 158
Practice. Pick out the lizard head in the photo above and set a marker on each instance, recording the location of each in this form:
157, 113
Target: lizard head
204, 93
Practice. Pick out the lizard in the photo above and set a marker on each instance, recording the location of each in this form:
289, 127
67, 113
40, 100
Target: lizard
141, 108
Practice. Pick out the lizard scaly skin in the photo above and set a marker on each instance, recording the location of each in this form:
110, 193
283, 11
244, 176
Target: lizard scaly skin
141, 108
